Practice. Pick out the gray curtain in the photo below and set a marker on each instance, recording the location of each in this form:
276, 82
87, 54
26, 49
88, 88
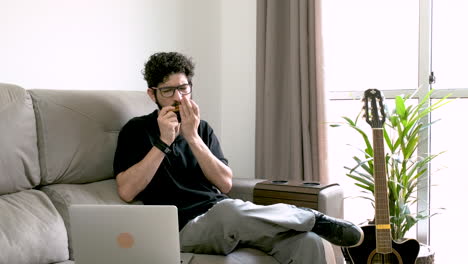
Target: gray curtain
290, 123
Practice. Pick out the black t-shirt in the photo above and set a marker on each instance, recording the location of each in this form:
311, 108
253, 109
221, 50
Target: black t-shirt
179, 179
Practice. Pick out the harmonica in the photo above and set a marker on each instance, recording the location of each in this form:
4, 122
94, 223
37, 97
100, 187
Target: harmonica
176, 107
176, 111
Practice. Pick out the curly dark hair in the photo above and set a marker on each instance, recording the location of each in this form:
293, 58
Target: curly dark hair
162, 64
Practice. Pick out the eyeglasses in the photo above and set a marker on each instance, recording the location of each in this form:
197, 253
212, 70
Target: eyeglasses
169, 91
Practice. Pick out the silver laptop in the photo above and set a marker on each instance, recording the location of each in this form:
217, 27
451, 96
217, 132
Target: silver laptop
125, 234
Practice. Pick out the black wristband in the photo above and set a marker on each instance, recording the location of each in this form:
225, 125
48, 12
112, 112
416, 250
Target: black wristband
161, 146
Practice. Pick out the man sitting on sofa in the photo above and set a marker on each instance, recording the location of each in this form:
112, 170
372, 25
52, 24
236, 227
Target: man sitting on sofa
172, 157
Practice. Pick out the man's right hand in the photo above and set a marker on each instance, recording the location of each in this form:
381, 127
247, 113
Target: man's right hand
168, 125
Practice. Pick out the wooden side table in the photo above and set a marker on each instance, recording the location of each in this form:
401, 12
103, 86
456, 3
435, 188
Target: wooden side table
299, 193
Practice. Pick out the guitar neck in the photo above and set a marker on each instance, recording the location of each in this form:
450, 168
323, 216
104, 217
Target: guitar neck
382, 218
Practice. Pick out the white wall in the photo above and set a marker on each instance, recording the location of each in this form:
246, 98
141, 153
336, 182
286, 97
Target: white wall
238, 42
83, 44
103, 44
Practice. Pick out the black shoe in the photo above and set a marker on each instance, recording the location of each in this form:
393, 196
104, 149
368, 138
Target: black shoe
337, 231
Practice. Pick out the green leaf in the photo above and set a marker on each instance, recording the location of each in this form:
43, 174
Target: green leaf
362, 180
400, 107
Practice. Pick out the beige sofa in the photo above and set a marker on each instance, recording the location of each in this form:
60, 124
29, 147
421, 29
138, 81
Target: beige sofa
56, 149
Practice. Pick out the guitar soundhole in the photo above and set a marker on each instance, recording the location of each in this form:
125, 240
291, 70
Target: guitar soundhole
391, 258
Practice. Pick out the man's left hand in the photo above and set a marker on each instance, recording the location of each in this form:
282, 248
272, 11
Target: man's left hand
190, 118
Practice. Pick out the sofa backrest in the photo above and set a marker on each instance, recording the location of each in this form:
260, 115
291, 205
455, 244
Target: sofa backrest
77, 131
19, 160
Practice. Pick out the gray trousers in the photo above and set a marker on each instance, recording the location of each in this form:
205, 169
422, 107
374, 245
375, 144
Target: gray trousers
280, 230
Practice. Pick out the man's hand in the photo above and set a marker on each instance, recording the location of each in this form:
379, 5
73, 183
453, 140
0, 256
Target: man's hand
215, 171
190, 115
168, 124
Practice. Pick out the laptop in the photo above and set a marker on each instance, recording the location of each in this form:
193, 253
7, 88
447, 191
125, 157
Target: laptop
126, 234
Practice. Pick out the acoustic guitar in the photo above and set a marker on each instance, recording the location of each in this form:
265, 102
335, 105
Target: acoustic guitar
378, 245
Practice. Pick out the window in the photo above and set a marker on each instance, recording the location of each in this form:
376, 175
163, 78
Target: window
449, 56
364, 47
367, 47
394, 46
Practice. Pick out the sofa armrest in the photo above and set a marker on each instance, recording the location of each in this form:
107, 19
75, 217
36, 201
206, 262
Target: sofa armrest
243, 188
330, 199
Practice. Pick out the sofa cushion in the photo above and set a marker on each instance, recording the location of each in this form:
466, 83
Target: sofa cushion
19, 159
252, 256
31, 229
239, 256
64, 195
78, 130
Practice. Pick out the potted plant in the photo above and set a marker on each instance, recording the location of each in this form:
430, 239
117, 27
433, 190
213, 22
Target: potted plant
401, 133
